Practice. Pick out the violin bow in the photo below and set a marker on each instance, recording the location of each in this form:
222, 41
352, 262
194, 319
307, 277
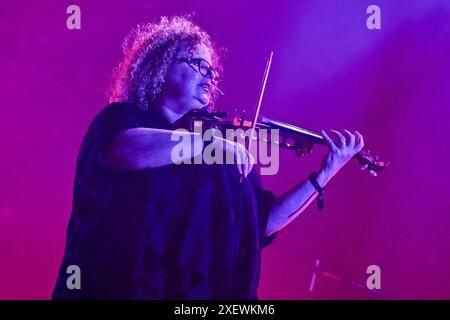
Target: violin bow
258, 107
261, 95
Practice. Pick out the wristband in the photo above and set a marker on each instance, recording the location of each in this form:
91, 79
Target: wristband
313, 179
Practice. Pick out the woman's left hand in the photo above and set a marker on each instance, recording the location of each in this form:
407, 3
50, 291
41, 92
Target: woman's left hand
340, 152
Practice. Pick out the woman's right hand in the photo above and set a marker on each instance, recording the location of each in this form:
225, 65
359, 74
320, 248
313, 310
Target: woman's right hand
242, 158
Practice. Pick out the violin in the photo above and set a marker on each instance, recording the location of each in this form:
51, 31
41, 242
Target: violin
290, 137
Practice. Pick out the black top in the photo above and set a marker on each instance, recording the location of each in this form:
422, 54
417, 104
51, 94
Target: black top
173, 232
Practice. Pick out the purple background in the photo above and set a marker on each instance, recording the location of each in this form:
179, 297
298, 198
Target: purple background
329, 72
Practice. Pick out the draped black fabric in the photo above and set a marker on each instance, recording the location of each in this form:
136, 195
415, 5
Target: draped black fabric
173, 232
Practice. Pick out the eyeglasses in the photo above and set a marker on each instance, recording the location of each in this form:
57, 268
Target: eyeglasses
202, 66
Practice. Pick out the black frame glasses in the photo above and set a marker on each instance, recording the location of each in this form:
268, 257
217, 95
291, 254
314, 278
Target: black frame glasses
202, 66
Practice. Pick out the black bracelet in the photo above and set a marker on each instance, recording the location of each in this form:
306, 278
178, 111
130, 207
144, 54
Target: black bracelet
313, 179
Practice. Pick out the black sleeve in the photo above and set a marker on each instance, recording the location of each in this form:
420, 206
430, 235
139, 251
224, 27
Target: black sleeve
111, 120
266, 201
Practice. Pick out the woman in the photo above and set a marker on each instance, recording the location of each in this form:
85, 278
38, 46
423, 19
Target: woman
143, 227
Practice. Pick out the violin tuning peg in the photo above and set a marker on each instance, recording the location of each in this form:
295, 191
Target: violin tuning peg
373, 173
299, 153
364, 167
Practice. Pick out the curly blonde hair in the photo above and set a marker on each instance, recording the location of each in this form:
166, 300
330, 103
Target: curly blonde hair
148, 50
